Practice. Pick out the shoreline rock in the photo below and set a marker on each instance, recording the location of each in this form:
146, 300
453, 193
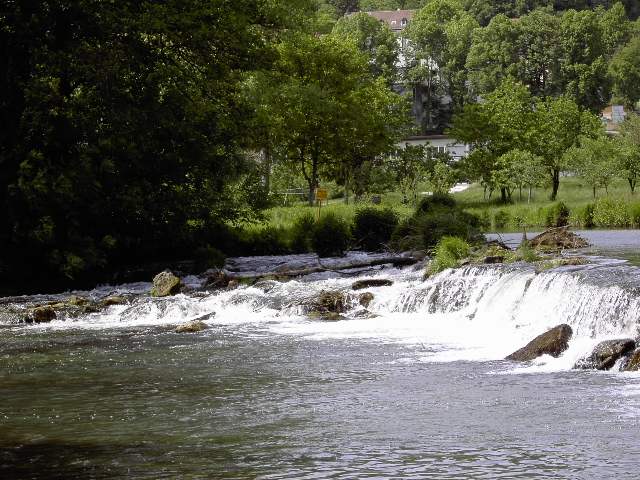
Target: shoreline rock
553, 342
606, 354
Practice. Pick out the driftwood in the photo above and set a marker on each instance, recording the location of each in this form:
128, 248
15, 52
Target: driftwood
395, 261
558, 238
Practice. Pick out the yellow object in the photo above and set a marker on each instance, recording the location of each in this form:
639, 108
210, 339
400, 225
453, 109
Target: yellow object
321, 194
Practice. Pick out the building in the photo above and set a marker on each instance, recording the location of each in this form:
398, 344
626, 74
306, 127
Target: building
397, 20
442, 144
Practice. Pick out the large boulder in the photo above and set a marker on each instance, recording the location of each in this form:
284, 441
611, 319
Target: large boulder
553, 343
191, 327
42, 314
330, 301
371, 282
165, 284
633, 365
606, 354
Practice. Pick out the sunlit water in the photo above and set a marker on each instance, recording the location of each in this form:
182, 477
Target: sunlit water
418, 392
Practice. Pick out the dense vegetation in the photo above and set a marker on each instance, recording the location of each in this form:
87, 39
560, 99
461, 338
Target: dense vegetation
136, 132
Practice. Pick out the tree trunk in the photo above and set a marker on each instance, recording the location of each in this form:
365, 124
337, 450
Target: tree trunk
503, 194
594, 191
555, 184
266, 163
520, 188
529, 198
632, 185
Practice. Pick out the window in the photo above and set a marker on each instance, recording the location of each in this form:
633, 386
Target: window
404, 22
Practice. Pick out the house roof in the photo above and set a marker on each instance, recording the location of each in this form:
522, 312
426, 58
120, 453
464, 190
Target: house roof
395, 19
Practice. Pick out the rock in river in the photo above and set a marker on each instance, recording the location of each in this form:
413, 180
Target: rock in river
41, 314
165, 284
371, 282
633, 365
553, 343
606, 354
191, 327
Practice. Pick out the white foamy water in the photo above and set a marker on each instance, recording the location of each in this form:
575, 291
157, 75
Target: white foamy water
475, 313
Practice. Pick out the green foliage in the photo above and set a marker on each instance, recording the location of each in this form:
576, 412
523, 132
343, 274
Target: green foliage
209, 257
596, 160
501, 219
330, 236
526, 253
557, 215
302, 232
435, 218
448, 253
624, 70
610, 213
373, 227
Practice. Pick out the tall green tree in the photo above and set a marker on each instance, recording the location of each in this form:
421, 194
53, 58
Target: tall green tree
629, 148
375, 39
122, 126
595, 160
624, 70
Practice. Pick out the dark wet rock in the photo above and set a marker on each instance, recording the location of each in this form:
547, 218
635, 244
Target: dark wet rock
365, 299
165, 284
633, 365
558, 239
371, 282
194, 326
365, 314
553, 343
215, 278
326, 316
113, 300
330, 301
606, 354
42, 314
493, 259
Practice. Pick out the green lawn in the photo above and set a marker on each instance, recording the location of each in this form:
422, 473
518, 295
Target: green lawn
573, 192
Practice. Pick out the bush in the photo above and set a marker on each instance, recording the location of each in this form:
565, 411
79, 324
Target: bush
301, 233
448, 253
610, 213
436, 201
266, 241
208, 257
557, 215
634, 211
526, 253
372, 227
330, 236
425, 228
501, 219
583, 216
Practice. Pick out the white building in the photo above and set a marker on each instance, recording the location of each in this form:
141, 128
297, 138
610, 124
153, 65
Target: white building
442, 144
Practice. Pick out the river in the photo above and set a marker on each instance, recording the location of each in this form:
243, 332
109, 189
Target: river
420, 391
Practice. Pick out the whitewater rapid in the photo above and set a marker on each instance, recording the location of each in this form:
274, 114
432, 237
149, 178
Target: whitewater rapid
475, 313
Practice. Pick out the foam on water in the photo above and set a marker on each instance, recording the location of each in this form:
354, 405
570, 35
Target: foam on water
475, 313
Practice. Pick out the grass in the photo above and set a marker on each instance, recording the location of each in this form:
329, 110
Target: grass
574, 192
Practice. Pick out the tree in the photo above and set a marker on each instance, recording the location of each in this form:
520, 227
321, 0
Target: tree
442, 177
518, 169
374, 38
126, 112
408, 165
629, 150
335, 114
559, 123
440, 37
624, 70
595, 160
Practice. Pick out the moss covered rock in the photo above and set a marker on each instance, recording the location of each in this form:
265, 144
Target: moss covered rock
165, 284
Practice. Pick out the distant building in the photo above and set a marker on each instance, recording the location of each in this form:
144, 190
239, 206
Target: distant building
612, 116
397, 20
442, 144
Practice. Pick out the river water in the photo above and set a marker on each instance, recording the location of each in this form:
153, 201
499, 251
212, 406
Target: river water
418, 392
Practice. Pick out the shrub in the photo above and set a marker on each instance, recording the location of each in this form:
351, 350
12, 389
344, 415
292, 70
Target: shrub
448, 253
266, 241
301, 232
208, 257
557, 215
583, 216
425, 228
436, 201
526, 253
610, 213
634, 211
330, 236
372, 227
501, 219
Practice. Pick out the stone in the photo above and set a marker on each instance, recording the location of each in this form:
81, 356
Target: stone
233, 284
113, 300
633, 365
165, 284
365, 299
552, 342
493, 259
371, 282
42, 314
326, 316
606, 354
77, 301
330, 301
194, 326
365, 314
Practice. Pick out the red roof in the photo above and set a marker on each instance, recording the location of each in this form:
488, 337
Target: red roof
396, 19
